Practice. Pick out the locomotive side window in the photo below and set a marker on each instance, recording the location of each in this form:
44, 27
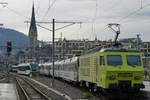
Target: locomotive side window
133, 60
102, 62
114, 60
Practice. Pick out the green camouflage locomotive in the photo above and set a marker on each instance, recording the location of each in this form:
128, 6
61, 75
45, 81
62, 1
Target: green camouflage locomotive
112, 69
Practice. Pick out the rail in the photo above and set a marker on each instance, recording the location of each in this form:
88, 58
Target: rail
28, 91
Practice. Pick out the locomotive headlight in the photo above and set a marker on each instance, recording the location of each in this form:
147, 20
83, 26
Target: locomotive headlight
112, 77
137, 78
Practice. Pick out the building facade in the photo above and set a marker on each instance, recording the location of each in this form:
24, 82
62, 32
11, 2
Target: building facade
69, 48
145, 48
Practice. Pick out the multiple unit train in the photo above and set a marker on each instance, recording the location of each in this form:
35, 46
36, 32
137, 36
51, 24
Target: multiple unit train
25, 69
106, 69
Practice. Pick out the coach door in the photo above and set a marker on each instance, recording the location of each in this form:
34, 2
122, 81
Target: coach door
100, 68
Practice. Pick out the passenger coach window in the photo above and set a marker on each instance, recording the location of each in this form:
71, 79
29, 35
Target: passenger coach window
133, 60
114, 60
102, 62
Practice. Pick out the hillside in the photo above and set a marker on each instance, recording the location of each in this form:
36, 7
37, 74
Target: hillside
18, 39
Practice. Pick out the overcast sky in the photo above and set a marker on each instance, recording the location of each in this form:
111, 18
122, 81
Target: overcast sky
132, 15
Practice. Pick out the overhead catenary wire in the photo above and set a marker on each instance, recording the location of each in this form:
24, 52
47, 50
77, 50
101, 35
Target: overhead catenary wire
17, 13
134, 12
38, 7
49, 8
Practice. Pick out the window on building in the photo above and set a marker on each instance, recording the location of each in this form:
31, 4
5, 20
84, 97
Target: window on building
81, 44
145, 46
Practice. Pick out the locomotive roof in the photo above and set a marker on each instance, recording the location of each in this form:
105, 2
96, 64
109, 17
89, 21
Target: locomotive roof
118, 50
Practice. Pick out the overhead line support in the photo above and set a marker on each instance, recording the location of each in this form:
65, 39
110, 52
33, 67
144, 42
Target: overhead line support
53, 36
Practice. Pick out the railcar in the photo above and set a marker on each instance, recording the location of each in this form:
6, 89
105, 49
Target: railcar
27, 69
24, 69
44, 69
14, 68
112, 69
67, 69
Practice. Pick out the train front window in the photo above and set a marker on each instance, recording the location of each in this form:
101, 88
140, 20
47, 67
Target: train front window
34, 67
133, 60
27, 68
114, 60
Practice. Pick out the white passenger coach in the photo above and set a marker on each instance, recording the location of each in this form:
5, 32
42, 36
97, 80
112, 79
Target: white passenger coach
65, 69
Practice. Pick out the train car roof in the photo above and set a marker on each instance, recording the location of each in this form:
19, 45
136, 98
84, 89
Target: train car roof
23, 64
14, 66
73, 59
45, 64
118, 50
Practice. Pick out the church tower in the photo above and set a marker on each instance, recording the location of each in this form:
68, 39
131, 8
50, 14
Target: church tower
32, 41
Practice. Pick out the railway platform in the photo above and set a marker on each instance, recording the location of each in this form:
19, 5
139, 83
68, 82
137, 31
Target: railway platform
7, 91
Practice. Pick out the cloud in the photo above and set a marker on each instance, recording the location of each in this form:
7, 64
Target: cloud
94, 19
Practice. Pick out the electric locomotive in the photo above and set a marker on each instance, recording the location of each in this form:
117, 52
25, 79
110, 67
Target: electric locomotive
112, 68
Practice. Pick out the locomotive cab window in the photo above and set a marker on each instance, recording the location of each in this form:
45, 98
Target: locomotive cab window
114, 60
102, 62
133, 60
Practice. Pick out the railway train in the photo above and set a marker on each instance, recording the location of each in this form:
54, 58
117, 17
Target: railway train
25, 68
106, 69
13, 68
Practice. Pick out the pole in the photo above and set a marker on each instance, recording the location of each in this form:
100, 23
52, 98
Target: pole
53, 37
138, 35
53, 50
7, 65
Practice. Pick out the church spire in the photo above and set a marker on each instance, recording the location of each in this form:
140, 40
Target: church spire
33, 23
32, 41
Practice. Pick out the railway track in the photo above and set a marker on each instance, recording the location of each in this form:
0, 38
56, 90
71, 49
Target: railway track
29, 92
65, 86
4, 77
68, 85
